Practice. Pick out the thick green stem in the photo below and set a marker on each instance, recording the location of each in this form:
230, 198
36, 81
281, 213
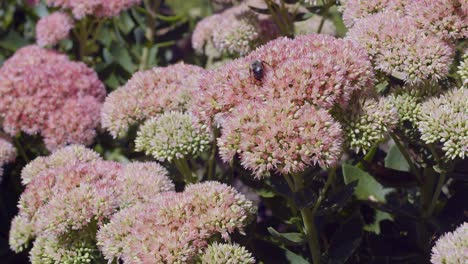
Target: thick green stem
435, 195
212, 162
149, 31
322, 22
312, 234
184, 169
21, 150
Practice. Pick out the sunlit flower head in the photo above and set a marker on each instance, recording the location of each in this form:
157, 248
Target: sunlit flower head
42, 89
174, 227
319, 69
53, 28
218, 253
404, 51
62, 157
358, 9
463, 70
444, 121
452, 247
280, 136
171, 136
149, 93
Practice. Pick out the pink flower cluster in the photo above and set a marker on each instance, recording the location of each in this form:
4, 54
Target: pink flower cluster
175, 227
149, 93
280, 122
237, 30
7, 154
53, 28
399, 48
445, 18
281, 136
76, 191
43, 92
99, 8
319, 69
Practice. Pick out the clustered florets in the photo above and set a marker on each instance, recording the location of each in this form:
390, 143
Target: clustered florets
235, 31
368, 122
99, 8
280, 136
172, 136
404, 52
71, 193
444, 121
53, 28
149, 93
217, 253
452, 247
174, 227
42, 92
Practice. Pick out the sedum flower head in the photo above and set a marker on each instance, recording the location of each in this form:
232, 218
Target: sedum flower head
405, 52
235, 31
53, 28
99, 8
451, 247
41, 90
172, 136
69, 155
366, 124
358, 9
7, 154
407, 100
463, 70
218, 253
71, 194
444, 121
445, 18
149, 93
141, 182
174, 227
280, 136
319, 69
51, 250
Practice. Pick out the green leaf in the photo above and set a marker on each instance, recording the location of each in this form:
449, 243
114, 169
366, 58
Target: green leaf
379, 216
12, 41
381, 87
125, 23
395, 160
368, 188
122, 56
265, 193
294, 258
293, 239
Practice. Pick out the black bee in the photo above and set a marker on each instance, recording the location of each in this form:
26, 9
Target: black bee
257, 69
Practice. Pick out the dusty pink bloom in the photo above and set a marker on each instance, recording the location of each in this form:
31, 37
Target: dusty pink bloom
53, 28
236, 31
7, 154
399, 48
452, 247
281, 137
448, 19
316, 68
99, 8
149, 93
141, 182
37, 89
358, 9
62, 157
175, 226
